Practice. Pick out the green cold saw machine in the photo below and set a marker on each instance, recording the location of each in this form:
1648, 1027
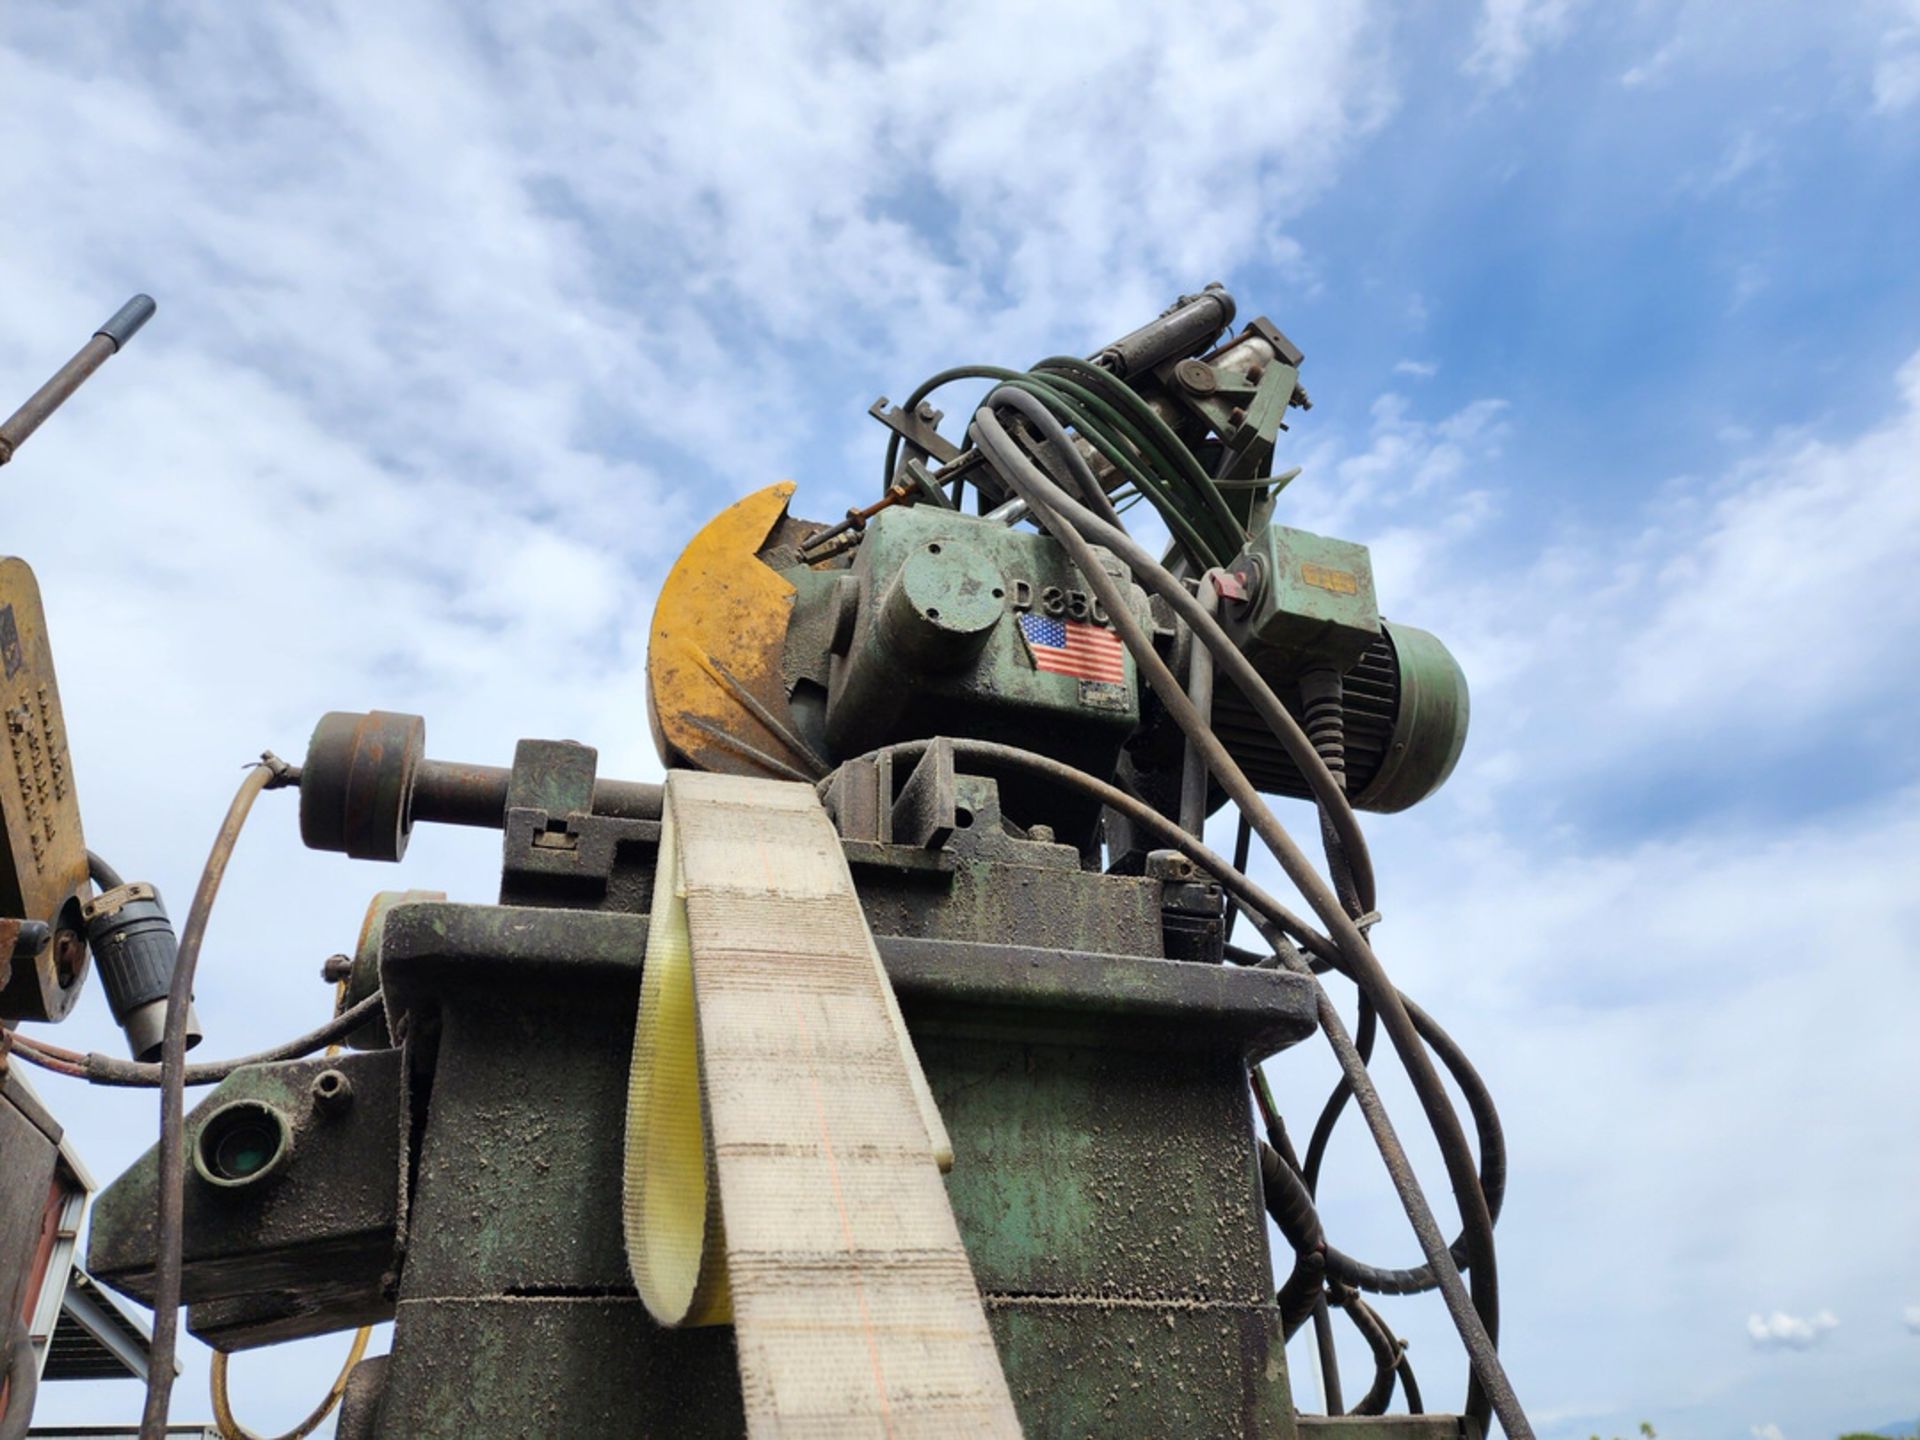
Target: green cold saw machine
1010, 719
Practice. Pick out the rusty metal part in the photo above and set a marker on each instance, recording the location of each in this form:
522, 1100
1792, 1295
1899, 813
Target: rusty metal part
332, 1092
716, 695
43, 855
105, 344
22, 939
356, 786
366, 783
1352, 955
815, 545
363, 977
30, 1144
927, 811
919, 427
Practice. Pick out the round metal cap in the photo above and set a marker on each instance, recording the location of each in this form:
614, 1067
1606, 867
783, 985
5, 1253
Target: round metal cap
356, 787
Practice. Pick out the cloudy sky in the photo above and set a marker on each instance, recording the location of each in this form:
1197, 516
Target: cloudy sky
1612, 320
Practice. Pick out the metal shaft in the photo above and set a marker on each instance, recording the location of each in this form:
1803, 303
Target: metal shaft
446, 792
106, 342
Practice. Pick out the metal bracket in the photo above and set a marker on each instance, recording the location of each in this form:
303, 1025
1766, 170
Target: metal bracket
924, 815
917, 427
555, 850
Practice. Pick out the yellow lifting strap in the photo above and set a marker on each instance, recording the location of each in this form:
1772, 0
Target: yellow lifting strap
783, 1151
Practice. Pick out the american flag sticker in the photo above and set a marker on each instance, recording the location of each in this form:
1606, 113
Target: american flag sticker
1073, 647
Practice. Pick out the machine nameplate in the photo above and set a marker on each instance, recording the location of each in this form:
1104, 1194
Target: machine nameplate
1324, 577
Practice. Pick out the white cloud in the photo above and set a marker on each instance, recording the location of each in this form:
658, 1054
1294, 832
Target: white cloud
1654, 69
1770, 577
1791, 1332
1509, 32
1768, 1431
1407, 460
1419, 369
1743, 610
1649, 998
1896, 71
1745, 154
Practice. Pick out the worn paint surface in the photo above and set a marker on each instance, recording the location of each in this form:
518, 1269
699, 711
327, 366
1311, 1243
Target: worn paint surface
715, 694
304, 1252
1105, 1183
43, 856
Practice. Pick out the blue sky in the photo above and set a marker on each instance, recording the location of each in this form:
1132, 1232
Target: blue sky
1612, 323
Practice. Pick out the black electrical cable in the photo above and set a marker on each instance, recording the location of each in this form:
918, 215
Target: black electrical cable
1242, 843
1164, 472
1330, 1387
1335, 1263
1196, 784
1150, 430
110, 1070
103, 875
1476, 1315
1043, 419
1276, 922
1491, 1136
1386, 1353
1409, 1386
1364, 1030
1488, 1130
1305, 1290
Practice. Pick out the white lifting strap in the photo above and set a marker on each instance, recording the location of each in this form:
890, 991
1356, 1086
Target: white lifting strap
783, 1152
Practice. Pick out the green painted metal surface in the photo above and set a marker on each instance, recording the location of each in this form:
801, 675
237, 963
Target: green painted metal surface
1429, 725
1312, 603
1105, 1181
935, 648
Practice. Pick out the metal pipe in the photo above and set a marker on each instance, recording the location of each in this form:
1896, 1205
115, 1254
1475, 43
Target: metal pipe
106, 342
1195, 779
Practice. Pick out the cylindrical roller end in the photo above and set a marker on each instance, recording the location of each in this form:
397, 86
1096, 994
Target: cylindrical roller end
127, 320
356, 787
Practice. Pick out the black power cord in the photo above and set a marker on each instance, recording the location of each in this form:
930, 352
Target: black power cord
1075, 526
